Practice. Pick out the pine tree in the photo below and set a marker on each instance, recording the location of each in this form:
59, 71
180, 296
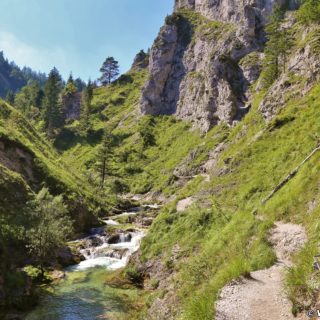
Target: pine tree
80, 84
277, 48
52, 113
86, 100
70, 88
10, 97
110, 70
103, 156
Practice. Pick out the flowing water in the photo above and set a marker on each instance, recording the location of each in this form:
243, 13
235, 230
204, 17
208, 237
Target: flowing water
83, 294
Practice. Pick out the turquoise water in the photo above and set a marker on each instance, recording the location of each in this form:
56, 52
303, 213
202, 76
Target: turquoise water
82, 296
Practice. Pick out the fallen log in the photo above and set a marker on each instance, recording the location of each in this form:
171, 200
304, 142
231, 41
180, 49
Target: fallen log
291, 175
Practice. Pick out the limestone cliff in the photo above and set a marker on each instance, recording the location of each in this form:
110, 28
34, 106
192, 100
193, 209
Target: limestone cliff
196, 69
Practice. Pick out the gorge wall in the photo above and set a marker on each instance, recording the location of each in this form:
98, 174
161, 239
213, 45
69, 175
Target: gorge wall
202, 63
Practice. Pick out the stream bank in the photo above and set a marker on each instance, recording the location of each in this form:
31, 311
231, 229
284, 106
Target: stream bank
84, 293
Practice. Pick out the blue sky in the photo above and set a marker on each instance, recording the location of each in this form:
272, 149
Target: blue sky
77, 35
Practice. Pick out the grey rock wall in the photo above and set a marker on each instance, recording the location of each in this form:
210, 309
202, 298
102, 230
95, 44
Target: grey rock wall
195, 73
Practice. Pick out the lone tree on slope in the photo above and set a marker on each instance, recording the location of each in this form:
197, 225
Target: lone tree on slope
103, 156
52, 113
86, 100
109, 70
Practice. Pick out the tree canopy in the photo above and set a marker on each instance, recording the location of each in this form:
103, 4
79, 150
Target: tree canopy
51, 226
109, 70
52, 115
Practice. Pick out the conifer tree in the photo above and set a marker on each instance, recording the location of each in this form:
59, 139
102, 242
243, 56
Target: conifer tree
86, 100
277, 48
70, 88
109, 70
52, 111
10, 97
103, 156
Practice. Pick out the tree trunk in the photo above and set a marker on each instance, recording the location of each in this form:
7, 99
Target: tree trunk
103, 176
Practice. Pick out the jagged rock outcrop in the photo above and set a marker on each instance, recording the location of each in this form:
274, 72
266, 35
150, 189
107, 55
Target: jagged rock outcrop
17, 158
195, 69
141, 61
246, 12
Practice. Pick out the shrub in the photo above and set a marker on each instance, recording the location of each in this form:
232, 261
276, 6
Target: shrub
279, 122
134, 276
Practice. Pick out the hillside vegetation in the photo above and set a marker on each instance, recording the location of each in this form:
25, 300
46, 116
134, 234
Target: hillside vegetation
223, 235
235, 181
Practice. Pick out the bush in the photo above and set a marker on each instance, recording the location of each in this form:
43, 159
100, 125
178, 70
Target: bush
278, 122
33, 272
174, 19
125, 79
134, 276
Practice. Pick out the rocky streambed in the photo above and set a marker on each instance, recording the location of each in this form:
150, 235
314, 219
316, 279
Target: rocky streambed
83, 292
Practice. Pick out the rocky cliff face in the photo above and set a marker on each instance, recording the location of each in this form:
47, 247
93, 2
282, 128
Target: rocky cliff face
246, 12
196, 63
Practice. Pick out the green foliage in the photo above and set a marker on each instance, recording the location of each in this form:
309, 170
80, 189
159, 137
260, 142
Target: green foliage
134, 276
52, 112
309, 12
10, 97
50, 228
145, 131
278, 122
277, 49
34, 273
14, 215
29, 100
103, 155
251, 59
12, 78
70, 89
109, 70
86, 107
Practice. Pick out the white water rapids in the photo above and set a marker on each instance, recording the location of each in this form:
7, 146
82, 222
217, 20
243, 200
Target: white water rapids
110, 255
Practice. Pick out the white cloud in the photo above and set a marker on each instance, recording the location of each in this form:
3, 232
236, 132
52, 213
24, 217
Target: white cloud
23, 54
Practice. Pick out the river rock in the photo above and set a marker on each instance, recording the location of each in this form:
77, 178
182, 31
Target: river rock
120, 237
147, 221
94, 241
65, 257
112, 253
57, 275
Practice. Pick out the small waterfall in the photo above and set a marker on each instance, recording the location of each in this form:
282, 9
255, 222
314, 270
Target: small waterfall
113, 250
110, 251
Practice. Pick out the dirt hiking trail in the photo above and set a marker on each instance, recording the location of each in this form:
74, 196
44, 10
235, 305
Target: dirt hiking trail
262, 297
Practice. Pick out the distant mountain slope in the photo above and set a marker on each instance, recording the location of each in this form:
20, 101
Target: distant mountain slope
12, 78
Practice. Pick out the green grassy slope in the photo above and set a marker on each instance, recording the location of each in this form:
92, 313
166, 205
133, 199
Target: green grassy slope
224, 235
47, 165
